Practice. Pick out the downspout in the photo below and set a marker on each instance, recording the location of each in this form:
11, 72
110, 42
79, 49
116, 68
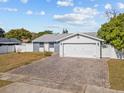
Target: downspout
100, 49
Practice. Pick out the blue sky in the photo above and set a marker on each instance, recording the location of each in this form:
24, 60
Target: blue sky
39, 15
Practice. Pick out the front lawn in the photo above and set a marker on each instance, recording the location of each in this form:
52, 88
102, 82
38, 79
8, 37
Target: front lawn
116, 74
4, 83
14, 60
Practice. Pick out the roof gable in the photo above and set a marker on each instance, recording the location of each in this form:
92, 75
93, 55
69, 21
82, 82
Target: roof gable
82, 34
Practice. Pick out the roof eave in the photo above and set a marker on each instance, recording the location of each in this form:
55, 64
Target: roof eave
98, 39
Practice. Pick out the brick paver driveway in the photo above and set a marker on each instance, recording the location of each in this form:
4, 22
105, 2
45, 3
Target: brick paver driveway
69, 72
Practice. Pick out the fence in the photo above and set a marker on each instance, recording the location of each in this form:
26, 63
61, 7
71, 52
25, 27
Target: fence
111, 52
7, 48
25, 47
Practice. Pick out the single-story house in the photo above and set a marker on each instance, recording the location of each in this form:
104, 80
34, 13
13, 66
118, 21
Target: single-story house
70, 45
8, 45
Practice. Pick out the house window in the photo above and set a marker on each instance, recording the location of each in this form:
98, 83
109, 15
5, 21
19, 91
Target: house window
41, 44
51, 45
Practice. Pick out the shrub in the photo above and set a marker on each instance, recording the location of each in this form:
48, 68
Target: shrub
47, 53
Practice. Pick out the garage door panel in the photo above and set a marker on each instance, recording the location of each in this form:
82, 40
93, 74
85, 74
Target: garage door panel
79, 50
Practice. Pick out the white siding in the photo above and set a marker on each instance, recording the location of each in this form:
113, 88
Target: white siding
56, 47
41, 49
90, 45
46, 46
80, 39
51, 49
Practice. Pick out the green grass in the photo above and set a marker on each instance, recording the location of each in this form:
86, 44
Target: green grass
4, 83
14, 60
116, 74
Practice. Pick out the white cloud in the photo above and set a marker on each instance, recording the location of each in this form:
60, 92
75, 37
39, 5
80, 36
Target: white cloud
96, 5
24, 1
65, 3
29, 12
108, 6
3, 1
121, 5
9, 9
53, 26
78, 17
41, 13
85, 11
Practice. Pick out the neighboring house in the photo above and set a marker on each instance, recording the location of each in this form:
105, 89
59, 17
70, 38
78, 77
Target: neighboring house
8, 45
70, 45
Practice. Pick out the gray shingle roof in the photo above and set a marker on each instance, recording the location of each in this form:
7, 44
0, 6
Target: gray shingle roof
9, 41
50, 37
94, 34
56, 37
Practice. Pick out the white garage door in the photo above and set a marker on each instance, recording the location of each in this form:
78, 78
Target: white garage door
80, 50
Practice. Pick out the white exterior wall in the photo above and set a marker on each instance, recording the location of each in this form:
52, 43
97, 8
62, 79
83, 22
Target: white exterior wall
51, 49
77, 40
41, 49
46, 46
25, 47
48, 49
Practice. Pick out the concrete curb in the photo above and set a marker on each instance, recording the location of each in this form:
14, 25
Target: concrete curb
95, 89
26, 88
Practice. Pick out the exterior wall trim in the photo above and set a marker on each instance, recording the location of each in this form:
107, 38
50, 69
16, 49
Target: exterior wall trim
84, 35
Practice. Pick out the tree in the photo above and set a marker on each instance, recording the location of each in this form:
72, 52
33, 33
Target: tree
110, 13
2, 32
65, 31
20, 34
113, 32
45, 32
34, 35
